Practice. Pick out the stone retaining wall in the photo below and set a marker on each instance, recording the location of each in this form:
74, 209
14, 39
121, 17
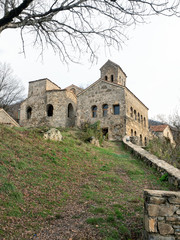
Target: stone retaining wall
161, 215
161, 166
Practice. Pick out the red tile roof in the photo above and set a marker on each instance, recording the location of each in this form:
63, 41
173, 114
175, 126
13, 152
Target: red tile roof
158, 128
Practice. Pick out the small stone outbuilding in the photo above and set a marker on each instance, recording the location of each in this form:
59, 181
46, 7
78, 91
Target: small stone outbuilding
5, 118
107, 100
163, 131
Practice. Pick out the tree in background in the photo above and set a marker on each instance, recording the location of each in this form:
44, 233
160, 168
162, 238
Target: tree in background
11, 89
75, 26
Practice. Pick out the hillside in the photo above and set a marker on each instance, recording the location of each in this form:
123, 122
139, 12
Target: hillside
70, 189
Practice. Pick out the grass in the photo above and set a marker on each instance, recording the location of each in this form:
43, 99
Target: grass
39, 179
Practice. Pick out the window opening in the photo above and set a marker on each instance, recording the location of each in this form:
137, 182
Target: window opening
70, 110
106, 78
144, 122
112, 78
105, 132
138, 117
135, 116
50, 110
140, 139
94, 111
29, 112
105, 110
116, 109
131, 112
131, 132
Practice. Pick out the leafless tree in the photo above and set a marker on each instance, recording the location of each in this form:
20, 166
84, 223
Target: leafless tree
11, 90
75, 26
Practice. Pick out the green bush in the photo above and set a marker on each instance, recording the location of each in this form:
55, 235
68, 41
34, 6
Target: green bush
92, 130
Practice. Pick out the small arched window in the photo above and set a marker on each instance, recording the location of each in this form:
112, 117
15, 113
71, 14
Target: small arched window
106, 78
135, 116
138, 117
145, 141
112, 78
141, 119
29, 112
131, 132
131, 112
135, 133
144, 122
140, 139
105, 110
50, 110
70, 110
94, 111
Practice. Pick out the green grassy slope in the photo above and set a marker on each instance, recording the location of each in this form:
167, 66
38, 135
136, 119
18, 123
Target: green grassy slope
40, 179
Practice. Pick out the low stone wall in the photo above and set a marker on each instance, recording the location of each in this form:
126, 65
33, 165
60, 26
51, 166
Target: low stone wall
161, 215
161, 166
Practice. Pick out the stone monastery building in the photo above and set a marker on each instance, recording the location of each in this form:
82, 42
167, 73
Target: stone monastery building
108, 100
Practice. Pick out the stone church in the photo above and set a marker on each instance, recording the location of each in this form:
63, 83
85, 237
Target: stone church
107, 100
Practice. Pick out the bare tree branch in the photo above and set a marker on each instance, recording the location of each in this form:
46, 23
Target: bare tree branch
74, 25
11, 90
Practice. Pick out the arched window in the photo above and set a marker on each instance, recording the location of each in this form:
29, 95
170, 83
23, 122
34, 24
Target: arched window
135, 133
135, 116
140, 139
50, 110
131, 132
116, 109
106, 78
94, 111
145, 141
141, 119
112, 78
29, 112
144, 122
70, 110
131, 111
105, 110
138, 117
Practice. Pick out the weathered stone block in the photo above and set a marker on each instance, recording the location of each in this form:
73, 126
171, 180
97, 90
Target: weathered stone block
165, 229
159, 237
157, 200
161, 210
174, 200
150, 224
173, 219
53, 134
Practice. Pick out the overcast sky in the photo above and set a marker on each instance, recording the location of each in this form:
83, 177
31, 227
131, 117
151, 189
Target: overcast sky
150, 59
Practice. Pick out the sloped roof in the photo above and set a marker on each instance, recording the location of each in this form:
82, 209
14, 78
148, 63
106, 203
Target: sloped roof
158, 128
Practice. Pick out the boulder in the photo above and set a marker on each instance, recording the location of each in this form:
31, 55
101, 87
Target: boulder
53, 134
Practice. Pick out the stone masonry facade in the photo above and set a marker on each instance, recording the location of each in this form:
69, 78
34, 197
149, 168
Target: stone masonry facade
107, 100
161, 215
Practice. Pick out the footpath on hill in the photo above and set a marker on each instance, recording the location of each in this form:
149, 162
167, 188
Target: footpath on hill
70, 189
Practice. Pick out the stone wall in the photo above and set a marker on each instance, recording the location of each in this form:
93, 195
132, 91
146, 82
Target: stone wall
39, 100
98, 94
160, 165
161, 215
137, 118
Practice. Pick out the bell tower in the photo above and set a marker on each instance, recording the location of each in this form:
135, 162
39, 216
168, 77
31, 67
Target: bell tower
113, 73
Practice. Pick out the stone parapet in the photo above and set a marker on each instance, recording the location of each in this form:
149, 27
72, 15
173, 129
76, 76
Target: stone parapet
161, 215
173, 174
